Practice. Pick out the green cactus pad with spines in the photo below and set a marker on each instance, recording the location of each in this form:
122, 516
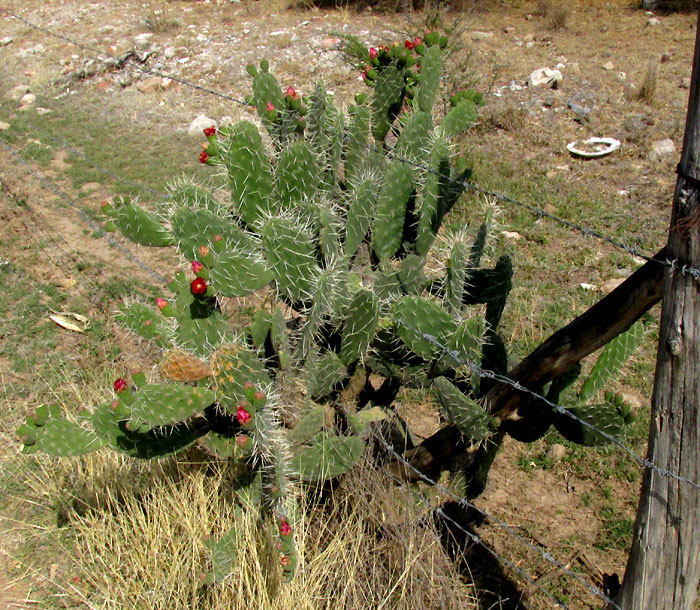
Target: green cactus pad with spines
470, 418
418, 318
140, 226
415, 136
464, 344
279, 335
360, 215
145, 322
59, 437
431, 211
604, 417
199, 227
359, 327
259, 328
429, 81
290, 253
611, 360
308, 426
194, 197
249, 173
387, 100
387, 285
224, 551
358, 136
329, 235
392, 202
328, 457
296, 177
220, 446
360, 421
334, 151
235, 275
324, 372
411, 274
457, 268
458, 120
316, 119
266, 89
233, 366
166, 404
202, 335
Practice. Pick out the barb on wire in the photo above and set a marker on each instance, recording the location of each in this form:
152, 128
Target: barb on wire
100, 53
558, 408
501, 524
91, 223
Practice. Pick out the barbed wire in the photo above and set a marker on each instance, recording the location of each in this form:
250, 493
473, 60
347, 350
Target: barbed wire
501, 524
486, 374
673, 264
85, 217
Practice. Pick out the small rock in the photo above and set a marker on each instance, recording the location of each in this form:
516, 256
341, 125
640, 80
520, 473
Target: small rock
27, 99
183, 60
581, 112
514, 235
574, 67
478, 36
653, 21
588, 286
43, 111
169, 52
661, 149
666, 57
330, 43
5, 41
508, 29
685, 83
622, 75
17, 93
648, 13
106, 29
143, 40
603, 29
545, 77
550, 209
201, 38
40, 48
528, 17
149, 85
529, 45
557, 452
4, 126
166, 83
609, 66
199, 123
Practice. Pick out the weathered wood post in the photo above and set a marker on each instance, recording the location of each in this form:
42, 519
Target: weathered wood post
664, 564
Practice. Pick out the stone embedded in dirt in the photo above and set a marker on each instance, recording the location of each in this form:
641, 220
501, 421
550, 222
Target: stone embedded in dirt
478, 36
544, 77
143, 40
149, 85
17, 93
609, 66
4, 126
581, 112
90, 186
166, 83
27, 99
661, 149
514, 235
685, 83
42, 111
666, 57
653, 21
330, 43
199, 124
557, 452
169, 52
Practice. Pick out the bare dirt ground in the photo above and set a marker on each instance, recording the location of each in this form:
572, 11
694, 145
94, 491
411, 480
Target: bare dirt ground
603, 51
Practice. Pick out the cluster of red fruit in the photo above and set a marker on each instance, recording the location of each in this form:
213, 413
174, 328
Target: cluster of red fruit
210, 132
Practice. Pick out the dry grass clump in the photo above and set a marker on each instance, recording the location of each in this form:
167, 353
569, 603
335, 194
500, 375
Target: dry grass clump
134, 536
558, 18
647, 90
507, 116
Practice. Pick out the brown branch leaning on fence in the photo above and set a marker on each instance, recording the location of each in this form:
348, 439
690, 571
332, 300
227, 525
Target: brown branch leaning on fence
609, 317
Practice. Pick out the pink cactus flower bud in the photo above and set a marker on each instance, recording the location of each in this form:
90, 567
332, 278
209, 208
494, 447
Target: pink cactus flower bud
197, 266
209, 131
242, 416
270, 107
162, 303
291, 92
409, 44
115, 404
203, 157
198, 287
259, 395
217, 238
120, 385
285, 528
417, 40
148, 322
203, 251
247, 385
372, 53
285, 561
242, 441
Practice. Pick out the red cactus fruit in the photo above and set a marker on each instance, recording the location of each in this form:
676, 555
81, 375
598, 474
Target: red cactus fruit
259, 395
120, 385
409, 44
285, 561
162, 303
198, 287
242, 440
203, 251
217, 238
285, 528
242, 416
247, 385
197, 266
209, 131
372, 53
270, 107
291, 92
203, 157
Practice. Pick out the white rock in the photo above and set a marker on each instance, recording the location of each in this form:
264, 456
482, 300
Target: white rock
17, 93
201, 38
514, 235
201, 122
661, 149
557, 452
477, 35
609, 66
169, 52
529, 45
653, 21
42, 111
545, 77
143, 40
588, 286
27, 99
622, 75
4, 126
5, 41
40, 48
183, 60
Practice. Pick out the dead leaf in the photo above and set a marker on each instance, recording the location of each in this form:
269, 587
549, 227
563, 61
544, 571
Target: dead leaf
70, 321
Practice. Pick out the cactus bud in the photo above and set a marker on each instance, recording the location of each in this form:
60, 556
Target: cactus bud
242, 416
120, 385
373, 53
203, 157
162, 303
409, 44
259, 395
198, 287
242, 440
285, 528
209, 131
196, 267
291, 92
270, 107
247, 385
285, 561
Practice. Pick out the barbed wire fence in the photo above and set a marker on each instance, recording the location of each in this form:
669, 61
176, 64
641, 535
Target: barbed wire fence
674, 265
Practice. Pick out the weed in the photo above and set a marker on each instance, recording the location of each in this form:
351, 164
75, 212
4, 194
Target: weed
558, 18
647, 90
157, 20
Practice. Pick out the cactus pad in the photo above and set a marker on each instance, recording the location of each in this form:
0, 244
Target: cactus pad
179, 365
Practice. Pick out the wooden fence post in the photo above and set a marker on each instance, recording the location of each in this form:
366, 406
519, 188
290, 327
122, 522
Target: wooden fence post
664, 564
